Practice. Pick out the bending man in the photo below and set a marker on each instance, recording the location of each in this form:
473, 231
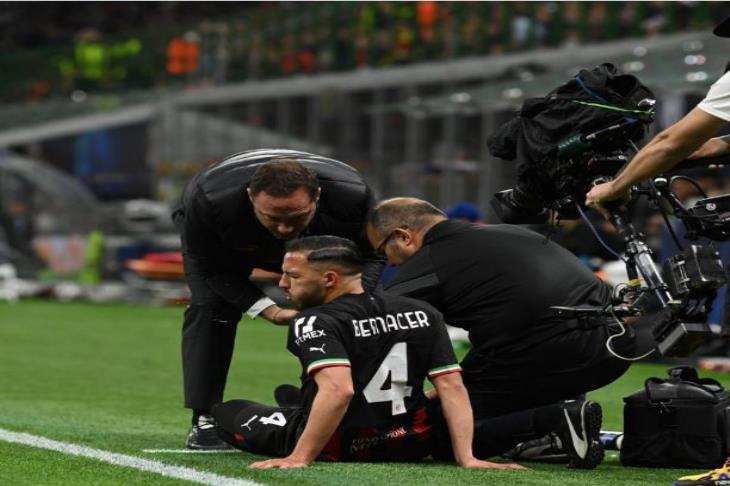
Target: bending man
234, 217
499, 283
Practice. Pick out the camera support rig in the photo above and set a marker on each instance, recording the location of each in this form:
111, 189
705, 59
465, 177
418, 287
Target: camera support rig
678, 298
680, 326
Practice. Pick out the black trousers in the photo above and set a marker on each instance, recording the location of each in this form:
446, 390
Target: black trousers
493, 436
259, 428
564, 367
208, 337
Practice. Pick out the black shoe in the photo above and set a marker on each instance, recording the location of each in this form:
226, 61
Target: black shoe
544, 449
205, 437
288, 396
579, 433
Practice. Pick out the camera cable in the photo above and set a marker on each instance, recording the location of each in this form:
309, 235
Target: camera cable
618, 335
595, 233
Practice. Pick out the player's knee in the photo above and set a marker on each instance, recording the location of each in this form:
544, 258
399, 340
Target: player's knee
225, 413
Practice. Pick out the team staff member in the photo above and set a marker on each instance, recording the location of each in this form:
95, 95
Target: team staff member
234, 217
689, 137
499, 283
365, 356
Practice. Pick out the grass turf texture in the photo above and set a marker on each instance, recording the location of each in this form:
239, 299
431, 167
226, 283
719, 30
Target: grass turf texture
109, 377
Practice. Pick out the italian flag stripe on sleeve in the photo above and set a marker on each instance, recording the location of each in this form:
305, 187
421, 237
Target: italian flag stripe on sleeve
325, 363
444, 370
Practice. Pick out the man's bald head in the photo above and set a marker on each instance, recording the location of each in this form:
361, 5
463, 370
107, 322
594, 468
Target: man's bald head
404, 212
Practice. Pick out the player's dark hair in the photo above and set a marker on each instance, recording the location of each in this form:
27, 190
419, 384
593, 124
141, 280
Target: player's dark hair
281, 177
329, 249
403, 212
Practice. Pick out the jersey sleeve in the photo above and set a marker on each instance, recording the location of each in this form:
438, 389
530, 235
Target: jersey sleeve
717, 101
442, 360
314, 338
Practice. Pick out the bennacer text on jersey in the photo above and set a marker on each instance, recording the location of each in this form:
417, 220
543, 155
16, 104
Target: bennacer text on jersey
373, 326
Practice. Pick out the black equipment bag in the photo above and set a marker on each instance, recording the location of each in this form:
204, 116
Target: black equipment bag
679, 422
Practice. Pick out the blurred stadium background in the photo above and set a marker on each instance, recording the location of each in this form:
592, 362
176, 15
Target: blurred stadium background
107, 108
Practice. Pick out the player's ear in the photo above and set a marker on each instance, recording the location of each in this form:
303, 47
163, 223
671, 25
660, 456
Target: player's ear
330, 278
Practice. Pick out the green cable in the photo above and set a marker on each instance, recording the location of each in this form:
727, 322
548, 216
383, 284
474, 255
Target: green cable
612, 108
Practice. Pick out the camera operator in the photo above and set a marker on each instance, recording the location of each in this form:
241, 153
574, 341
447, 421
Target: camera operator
689, 137
499, 283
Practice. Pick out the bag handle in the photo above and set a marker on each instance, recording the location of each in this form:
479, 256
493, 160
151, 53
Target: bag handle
706, 384
683, 373
688, 373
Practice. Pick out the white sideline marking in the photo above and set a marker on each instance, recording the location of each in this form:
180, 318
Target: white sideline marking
189, 451
177, 472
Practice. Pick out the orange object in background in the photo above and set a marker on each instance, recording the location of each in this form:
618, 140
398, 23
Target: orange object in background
428, 13
159, 266
182, 56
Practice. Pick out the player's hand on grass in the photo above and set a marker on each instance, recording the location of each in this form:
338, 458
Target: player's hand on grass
479, 464
279, 463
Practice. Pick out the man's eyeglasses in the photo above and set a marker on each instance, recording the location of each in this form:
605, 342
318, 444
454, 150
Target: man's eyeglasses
380, 250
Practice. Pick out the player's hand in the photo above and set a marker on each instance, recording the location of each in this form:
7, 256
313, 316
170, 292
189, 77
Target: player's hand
284, 316
279, 315
475, 463
279, 463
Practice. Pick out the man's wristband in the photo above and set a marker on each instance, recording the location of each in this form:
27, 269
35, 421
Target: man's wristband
273, 318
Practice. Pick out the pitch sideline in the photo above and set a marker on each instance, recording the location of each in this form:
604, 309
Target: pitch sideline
168, 470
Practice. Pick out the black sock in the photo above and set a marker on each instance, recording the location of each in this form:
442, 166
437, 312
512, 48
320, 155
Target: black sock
197, 412
546, 419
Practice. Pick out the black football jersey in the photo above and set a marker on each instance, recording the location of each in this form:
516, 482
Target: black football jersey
392, 344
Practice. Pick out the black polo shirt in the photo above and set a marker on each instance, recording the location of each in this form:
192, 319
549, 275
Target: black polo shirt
498, 282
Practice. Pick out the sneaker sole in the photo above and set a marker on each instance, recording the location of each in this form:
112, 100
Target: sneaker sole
222, 447
593, 417
212, 445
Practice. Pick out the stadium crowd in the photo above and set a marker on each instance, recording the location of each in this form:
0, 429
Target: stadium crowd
111, 46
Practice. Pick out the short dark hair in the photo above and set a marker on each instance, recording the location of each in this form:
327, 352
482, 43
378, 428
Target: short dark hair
330, 249
281, 177
403, 212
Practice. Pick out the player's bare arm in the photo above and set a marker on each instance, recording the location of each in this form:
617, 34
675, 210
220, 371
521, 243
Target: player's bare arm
672, 145
459, 417
714, 147
278, 315
335, 390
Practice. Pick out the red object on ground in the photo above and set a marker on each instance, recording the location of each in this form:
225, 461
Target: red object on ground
167, 257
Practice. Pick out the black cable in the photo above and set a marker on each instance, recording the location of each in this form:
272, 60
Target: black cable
671, 231
595, 233
664, 215
690, 180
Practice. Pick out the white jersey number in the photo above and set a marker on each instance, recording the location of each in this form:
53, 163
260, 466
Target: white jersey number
395, 366
276, 418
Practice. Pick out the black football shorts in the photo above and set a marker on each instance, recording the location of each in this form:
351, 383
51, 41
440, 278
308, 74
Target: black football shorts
258, 428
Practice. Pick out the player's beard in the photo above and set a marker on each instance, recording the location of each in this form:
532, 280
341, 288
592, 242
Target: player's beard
311, 298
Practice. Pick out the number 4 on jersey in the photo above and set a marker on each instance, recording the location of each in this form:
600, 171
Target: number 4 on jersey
395, 366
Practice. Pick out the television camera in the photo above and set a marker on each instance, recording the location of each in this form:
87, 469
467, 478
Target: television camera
677, 299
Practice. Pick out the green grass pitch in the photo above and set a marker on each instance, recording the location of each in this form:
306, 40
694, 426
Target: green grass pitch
108, 376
